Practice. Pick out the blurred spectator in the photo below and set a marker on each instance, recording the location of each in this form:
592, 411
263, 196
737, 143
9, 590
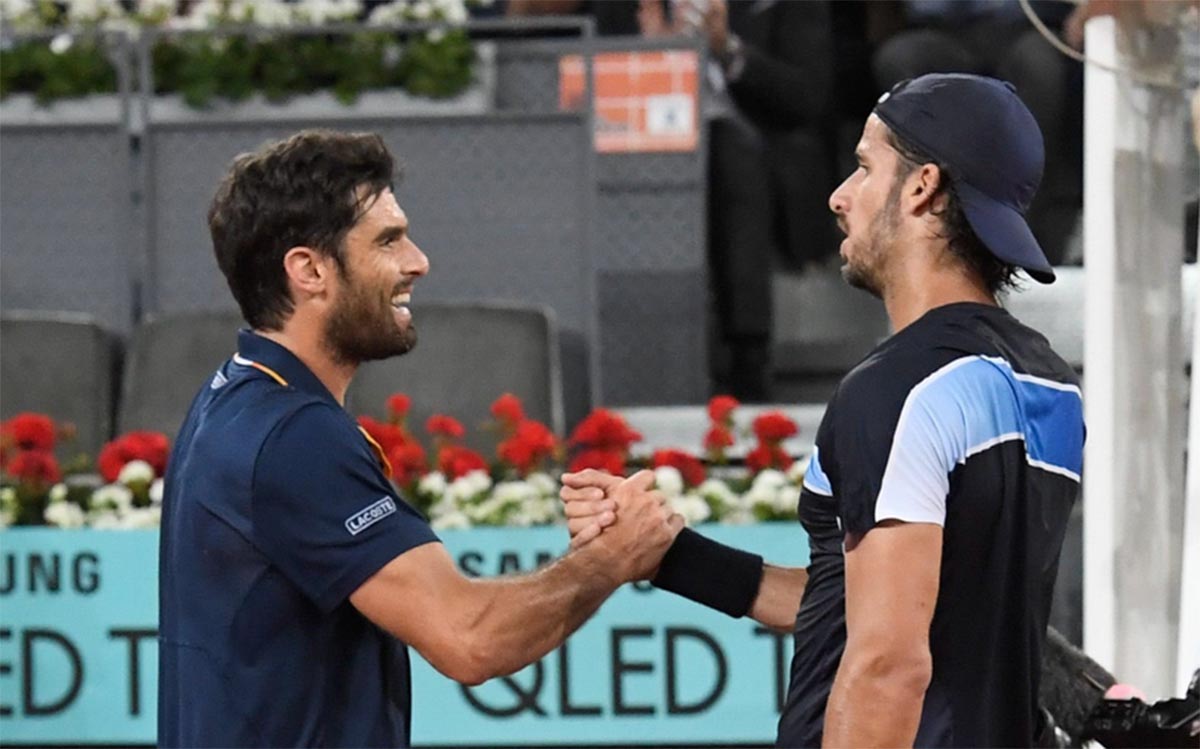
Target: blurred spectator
770, 85
994, 37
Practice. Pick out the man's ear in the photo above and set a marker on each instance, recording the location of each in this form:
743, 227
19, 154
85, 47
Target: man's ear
922, 190
308, 271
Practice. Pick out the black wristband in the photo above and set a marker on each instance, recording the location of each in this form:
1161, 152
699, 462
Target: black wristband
718, 576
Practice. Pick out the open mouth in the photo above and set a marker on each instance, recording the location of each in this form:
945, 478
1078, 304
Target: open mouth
401, 300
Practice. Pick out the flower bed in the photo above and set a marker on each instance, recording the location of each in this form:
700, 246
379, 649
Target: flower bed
232, 50
453, 485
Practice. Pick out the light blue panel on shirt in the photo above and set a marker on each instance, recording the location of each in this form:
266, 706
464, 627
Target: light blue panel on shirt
981, 400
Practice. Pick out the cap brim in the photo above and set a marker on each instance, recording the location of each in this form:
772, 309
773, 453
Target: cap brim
1005, 233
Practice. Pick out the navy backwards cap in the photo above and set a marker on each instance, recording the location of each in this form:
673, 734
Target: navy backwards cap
988, 141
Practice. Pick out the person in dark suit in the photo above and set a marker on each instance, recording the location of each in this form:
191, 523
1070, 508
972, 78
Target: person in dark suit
769, 164
770, 167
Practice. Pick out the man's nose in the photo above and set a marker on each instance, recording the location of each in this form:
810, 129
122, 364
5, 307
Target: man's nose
416, 264
839, 202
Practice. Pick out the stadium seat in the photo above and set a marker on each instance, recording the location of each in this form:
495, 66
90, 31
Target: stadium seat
468, 355
169, 357
61, 364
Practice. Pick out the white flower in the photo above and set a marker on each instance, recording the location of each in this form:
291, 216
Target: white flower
490, 511
156, 491
111, 497
433, 484
136, 472
318, 12
669, 481
795, 472
516, 491
61, 43
92, 11
104, 520
543, 484
460, 490
64, 515
475, 482
760, 495
156, 7
388, 14
8, 498
692, 507
420, 10
453, 520
454, 11
769, 479
142, 517
58, 493
787, 499
11, 9
718, 494
436, 35
274, 14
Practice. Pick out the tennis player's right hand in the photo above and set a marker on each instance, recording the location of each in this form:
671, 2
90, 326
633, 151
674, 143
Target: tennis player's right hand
634, 544
587, 504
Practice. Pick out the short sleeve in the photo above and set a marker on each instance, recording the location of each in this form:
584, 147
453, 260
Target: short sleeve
906, 445
322, 510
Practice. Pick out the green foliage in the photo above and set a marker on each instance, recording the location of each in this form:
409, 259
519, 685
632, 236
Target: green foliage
208, 66
31, 66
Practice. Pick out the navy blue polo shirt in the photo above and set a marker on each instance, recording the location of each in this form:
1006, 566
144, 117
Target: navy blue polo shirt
276, 509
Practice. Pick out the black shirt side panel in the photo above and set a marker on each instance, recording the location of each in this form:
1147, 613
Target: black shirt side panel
1004, 523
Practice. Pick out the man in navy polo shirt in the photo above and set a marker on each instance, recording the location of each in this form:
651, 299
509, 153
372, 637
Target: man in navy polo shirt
947, 462
292, 575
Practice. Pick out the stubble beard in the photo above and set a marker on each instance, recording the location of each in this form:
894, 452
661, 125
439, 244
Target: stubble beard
867, 271
361, 328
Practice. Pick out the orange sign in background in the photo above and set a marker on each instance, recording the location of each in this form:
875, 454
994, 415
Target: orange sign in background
645, 101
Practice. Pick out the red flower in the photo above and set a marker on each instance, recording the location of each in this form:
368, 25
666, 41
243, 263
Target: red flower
767, 456
531, 443
408, 462
601, 460
604, 430
389, 436
689, 466
35, 467
720, 408
444, 426
718, 438
30, 431
456, 461
152, 447
773, 426
508, 410
398, 405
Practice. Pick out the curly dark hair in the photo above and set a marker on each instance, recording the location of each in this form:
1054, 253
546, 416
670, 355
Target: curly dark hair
998, 276
307, 190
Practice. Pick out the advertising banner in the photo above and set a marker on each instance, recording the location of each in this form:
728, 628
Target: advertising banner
78, 656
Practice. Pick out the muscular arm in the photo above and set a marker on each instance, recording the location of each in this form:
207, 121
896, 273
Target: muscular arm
892, 575
474, 629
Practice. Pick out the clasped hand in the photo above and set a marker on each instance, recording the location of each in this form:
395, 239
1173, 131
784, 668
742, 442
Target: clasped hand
625, 514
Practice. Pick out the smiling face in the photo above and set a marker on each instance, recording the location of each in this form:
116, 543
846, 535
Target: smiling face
370, 318
867, 205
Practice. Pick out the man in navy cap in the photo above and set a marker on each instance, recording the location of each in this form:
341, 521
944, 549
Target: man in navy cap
946, 464
293, 575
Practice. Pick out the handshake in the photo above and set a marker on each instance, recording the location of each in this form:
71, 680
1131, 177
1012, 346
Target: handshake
624, 523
